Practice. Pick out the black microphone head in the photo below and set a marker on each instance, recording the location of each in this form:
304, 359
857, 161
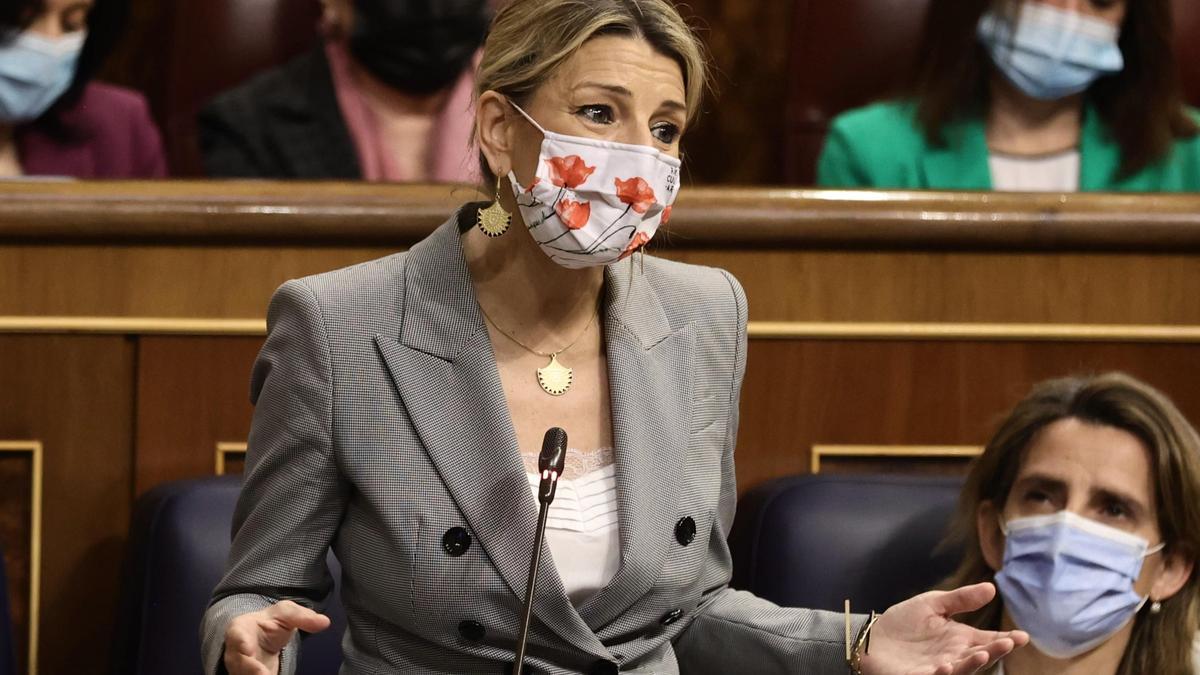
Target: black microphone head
554, 451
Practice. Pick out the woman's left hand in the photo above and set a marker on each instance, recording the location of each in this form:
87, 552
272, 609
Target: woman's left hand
919, 637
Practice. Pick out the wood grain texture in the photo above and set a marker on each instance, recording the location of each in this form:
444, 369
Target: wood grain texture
358, 214
192, 392
75, 394
16, 526
803, 393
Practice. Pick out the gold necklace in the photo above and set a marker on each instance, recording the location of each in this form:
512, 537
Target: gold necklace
555, 378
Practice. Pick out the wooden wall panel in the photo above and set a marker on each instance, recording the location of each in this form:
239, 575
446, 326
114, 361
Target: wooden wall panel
800, 393
193, 392
75, 395
16, 530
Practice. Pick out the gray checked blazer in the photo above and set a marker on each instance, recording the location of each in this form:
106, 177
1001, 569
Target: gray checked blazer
380, 423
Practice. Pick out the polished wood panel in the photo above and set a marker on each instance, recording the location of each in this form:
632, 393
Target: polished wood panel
802, 393
192, 392
75, 394
16, 533
359, 214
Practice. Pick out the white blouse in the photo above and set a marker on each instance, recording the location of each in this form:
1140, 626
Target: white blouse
1056, 172
582, 530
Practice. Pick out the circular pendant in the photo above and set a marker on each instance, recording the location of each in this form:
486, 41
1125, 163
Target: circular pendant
555, 378
494, 220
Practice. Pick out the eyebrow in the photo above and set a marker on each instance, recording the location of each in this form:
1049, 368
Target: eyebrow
618, 90
1051, 483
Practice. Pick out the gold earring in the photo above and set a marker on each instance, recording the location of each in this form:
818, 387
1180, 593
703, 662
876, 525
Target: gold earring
494, 220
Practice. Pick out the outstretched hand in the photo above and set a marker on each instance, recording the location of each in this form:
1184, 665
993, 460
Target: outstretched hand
254, 641
919, 637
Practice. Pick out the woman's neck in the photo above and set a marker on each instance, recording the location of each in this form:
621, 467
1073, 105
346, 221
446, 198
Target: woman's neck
1019, 124
10, 160
1103, 660
546, 306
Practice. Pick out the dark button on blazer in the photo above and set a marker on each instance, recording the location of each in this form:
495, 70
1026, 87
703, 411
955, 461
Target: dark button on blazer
380, 419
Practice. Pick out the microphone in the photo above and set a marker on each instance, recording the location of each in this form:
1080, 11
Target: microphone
550, 465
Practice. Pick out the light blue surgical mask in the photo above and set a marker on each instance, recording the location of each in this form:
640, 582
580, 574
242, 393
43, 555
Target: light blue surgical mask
34, 72
1068, 581
1052, 53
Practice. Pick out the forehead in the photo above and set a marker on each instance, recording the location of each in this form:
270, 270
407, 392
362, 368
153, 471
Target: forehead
1087, 456
60, 5
631, 62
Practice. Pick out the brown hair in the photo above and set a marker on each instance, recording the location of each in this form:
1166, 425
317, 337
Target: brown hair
1161, 643
1142, 106
530, 39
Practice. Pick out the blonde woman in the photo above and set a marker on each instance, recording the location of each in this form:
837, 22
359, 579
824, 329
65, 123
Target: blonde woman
401, 406
1085, 510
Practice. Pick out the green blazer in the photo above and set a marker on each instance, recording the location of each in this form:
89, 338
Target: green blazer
881, 146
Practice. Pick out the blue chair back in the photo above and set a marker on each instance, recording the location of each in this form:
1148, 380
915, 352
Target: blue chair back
815, 540
179, 544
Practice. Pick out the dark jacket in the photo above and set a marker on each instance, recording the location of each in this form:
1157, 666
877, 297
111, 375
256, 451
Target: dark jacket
283, 123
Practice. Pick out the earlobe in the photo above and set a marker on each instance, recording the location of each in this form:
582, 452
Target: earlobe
1176, 571
492, 131
991, 539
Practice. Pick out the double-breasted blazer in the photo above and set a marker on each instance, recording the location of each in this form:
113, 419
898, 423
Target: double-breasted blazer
381, 423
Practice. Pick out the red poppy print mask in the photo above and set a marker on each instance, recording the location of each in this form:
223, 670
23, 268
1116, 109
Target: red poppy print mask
594, 202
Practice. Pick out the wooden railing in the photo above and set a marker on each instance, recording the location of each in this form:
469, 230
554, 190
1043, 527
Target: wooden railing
130, 314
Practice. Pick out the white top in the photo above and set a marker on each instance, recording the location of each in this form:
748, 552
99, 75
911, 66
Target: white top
1057, 172
582, 529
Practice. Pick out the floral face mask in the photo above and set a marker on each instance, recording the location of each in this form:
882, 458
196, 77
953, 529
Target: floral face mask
593, 202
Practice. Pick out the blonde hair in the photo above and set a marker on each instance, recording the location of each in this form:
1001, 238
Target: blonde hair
1162, 642
530, 39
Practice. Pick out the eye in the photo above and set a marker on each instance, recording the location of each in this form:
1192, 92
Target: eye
1116, 510
1037, 497
596, 113
75, 17
666, 132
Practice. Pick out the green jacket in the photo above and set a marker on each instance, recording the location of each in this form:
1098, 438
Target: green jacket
881, 146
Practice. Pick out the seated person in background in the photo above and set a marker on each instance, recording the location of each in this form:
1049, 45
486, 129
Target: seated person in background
1085, 510
387, 97
1055, 95
53, 119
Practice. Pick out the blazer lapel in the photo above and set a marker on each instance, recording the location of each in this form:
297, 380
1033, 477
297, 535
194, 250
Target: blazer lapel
445, 370
650, 381
961, 163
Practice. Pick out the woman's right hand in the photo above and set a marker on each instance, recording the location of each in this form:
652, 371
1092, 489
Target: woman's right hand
254, 641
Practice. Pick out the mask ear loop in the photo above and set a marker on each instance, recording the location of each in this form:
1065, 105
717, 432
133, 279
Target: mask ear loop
526, 116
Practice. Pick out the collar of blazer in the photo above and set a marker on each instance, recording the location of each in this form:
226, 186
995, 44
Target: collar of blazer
445, 371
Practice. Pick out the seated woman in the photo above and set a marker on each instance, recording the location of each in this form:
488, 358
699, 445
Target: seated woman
1085, 510
1031, 95
400, 406
54, 120
386, 97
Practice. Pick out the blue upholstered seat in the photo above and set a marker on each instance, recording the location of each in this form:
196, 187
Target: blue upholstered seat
814, 540
178, 546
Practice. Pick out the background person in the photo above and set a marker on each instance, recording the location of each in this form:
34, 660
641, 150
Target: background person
54, 119
1085, 510
386, 97
1052, 95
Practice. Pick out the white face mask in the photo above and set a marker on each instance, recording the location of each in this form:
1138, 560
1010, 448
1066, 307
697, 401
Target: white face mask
593, 202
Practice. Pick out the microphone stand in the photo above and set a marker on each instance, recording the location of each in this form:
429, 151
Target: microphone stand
550, 464
531, 585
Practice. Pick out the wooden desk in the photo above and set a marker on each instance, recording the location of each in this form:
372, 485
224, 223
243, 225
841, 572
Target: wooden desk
130, 314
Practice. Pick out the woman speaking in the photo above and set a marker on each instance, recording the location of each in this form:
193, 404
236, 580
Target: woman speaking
401, 403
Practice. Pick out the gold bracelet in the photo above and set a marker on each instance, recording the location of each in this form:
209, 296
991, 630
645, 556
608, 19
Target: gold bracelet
861, 644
